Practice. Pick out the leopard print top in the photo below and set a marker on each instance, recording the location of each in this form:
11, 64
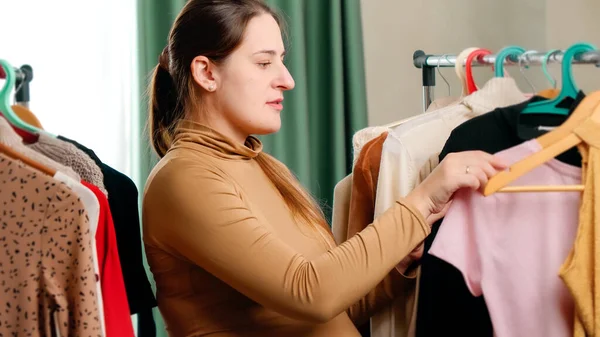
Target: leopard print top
47, 279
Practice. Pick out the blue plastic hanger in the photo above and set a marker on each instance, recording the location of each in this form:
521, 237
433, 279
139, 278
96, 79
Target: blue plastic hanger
568, 85
502, 55
5, 108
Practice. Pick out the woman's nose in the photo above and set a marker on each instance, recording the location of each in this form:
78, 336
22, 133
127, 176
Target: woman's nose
286, 81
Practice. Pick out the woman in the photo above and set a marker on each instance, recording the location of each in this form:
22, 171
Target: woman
236, 246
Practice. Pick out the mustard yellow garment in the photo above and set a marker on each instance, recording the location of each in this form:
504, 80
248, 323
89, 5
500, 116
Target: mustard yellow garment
27, 116
581, 270
230, 260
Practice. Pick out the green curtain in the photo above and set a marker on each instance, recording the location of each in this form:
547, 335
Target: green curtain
155, 18
325, 56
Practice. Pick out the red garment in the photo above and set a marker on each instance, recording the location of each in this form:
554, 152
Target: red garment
28, 137
116, 308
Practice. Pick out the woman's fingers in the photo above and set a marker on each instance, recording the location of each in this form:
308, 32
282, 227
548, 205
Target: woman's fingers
469, 177
495, 161
481, 176
489, 164
488, 170
498, 163
480, 166
469, 169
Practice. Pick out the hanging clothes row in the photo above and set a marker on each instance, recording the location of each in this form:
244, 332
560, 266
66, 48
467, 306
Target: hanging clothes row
499, 264
72, 262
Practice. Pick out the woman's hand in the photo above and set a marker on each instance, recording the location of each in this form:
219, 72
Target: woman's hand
468, 169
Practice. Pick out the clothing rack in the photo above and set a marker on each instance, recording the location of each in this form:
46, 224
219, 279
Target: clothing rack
429, 63
24, 75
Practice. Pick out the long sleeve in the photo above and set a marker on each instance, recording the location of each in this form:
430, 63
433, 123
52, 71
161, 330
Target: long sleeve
364, 185
48, 281
581, 267
362, 207
123, 202
115, 307
378, 298
69, 277
341, 209
200, 215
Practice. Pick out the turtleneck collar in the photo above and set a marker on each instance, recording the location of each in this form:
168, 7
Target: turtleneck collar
196, 136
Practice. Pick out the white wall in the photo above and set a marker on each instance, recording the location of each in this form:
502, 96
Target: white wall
394, 29
571, 22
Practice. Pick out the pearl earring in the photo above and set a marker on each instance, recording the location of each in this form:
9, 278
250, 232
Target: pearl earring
211, 87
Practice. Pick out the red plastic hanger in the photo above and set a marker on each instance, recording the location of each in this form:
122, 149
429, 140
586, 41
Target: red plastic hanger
471, 86
28, 137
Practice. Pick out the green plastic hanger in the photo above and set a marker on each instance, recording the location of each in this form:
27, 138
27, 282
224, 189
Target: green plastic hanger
502, 55
5, 108
568, 85
550, 78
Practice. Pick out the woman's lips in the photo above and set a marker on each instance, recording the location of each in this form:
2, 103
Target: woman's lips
276, 104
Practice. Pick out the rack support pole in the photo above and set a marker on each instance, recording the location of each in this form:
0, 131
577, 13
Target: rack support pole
420, 61
22, 96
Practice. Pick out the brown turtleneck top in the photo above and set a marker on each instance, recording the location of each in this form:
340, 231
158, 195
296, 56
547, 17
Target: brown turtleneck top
229, 259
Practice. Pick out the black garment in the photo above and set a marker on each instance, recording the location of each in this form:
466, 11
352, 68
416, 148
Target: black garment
123, 203
146, 324
446, 307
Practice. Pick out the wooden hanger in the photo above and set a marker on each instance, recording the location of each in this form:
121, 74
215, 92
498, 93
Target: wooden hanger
7, 150
548, 93
27, 116
553, 144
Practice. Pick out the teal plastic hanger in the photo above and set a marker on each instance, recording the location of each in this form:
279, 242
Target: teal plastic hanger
550, 78
5, 108
568, 85
502, 55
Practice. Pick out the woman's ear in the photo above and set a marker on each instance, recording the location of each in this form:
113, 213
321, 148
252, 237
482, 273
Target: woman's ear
203, 72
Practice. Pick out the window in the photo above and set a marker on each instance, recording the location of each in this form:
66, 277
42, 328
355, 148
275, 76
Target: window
83, 55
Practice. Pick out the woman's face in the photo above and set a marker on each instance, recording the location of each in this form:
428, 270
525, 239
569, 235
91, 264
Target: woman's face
247, 95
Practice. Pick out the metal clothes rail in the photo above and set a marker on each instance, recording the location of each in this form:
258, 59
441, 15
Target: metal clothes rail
24, 75
428, 64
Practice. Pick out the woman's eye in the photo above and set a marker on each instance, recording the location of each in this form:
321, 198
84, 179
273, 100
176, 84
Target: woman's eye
264, 64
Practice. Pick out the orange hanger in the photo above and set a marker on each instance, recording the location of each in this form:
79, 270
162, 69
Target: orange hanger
27, 116
549, 93
553, 144
7, 150
553, 92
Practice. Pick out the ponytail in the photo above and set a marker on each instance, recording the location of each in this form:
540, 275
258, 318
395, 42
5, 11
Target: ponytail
163, 108
302, 205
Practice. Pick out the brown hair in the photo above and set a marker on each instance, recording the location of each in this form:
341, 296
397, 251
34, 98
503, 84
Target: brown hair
213, 28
